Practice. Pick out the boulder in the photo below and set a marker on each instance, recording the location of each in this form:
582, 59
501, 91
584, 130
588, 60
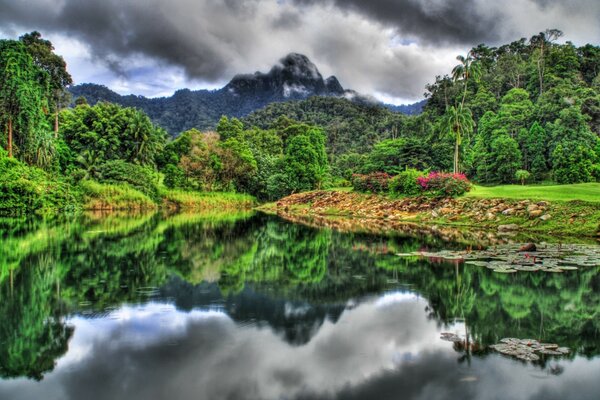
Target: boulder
528, 247
535, 213
508, 228
545, 217
508, 211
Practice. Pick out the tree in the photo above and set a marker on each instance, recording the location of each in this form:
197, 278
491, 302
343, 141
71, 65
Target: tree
23, 89
542, 42
113, 133
395, 155
42, 52
506, 158
468, 69
522, 175
305, 160
573, 162
457, 122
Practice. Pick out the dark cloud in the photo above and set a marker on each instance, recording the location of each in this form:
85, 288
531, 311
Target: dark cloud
451, 21
391, 48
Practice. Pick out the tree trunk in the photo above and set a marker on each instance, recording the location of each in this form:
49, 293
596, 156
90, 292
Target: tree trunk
56, 124
10, 134
456, 157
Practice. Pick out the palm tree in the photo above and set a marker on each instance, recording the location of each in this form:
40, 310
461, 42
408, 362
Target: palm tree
457, 122
469, 68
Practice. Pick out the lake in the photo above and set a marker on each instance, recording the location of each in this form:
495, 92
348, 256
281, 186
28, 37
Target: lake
250, 306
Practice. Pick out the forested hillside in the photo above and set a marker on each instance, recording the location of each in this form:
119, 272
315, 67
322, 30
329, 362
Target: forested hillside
528, 111
531, 106
294, 78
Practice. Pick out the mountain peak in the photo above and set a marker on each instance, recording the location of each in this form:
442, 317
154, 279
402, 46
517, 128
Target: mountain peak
299, 66
294, 77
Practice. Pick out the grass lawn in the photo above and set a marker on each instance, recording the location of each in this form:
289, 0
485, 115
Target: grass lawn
582, 191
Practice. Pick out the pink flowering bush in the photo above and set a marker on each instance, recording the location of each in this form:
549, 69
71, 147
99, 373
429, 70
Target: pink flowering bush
376, 182
441, 184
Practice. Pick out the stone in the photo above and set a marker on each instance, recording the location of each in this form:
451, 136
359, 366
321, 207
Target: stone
545, 217
508, 211
532, 207
528, 247
508, 228
535, 213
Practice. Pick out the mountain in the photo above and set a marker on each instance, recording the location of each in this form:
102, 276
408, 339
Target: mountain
294, 78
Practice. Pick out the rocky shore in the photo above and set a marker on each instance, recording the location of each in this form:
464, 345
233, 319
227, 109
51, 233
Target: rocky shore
503, 215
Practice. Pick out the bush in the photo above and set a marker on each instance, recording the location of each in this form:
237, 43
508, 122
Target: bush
596, 172
405, 183
140, 178
25, 189
439, 184
376, 182
522, 175
174, 177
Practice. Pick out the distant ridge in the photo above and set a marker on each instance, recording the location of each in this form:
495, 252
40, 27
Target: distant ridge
295, 77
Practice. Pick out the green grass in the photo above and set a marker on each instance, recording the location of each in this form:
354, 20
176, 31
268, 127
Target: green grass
207, 201
589, 192
100, 196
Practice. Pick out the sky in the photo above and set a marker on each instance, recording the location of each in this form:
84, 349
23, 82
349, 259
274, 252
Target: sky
386, 48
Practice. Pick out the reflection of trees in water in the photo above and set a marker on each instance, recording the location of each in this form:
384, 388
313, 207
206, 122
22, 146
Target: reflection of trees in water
562, 308
32, 333
290, 277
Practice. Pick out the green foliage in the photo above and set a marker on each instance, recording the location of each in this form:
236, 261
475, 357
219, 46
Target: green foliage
395, 155
505, 158
406, 184
305, 162
112, 132
137, 176
25, 189
23, 99
522, 176
573, 163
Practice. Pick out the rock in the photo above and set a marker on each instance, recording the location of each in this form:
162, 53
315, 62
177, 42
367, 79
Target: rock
490, 216
545, 217
508, 211
509, 227
535, 213
435, 214
542, 203
528, 247
532, 207
446, 210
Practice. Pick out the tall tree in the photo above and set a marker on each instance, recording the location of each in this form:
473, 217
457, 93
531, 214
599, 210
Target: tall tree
457, 122
23, 89
42, 52
543, 41
468, 69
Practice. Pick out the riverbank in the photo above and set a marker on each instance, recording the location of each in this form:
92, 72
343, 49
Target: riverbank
570, 218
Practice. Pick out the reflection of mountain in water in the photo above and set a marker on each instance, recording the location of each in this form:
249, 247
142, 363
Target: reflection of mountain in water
260, 270
297, 321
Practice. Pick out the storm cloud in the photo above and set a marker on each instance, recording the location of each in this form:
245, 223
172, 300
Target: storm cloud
389, 48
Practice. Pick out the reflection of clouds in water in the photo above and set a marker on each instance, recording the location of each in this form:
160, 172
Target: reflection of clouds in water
386, 348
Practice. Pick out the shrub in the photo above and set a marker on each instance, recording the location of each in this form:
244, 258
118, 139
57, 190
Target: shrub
596, 172
522, 175
405, 183
25, 189
439, 184
140, 178
376, 182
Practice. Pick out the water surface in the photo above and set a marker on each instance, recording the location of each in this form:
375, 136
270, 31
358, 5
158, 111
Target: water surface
253, 307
